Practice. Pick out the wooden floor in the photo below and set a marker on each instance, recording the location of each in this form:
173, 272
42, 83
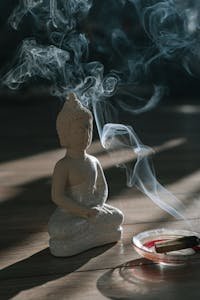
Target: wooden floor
29, 151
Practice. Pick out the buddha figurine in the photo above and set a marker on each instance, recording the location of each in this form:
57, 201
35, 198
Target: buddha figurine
82, 219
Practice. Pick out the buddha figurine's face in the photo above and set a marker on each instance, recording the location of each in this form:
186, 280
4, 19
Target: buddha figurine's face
80, 134
74, 125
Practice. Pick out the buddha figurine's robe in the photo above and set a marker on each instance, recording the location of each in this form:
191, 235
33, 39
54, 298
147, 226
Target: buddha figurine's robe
71, 234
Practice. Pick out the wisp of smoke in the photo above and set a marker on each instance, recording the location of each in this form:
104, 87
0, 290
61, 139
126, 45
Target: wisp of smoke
142, 175
173, 27
62, 58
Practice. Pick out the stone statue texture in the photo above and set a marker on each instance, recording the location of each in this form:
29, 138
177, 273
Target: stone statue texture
82, 219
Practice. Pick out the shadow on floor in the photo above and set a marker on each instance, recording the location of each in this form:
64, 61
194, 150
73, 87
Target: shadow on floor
42, 267
26, 213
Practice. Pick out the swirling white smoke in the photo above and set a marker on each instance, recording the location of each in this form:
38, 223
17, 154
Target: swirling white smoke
62, 58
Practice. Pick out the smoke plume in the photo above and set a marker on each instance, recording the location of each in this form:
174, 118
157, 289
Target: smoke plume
58, 52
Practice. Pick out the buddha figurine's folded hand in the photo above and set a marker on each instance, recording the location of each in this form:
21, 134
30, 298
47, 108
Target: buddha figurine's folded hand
92, 213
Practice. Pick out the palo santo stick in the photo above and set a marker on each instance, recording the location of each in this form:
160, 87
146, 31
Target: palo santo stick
177, 244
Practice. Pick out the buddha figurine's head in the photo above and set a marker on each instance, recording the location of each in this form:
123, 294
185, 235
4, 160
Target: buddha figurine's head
74, 124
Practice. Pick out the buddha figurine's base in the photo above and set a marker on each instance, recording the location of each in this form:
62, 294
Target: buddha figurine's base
70, 235
65, 248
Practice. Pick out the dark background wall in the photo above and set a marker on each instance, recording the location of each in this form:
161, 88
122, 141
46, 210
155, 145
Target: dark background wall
102, 16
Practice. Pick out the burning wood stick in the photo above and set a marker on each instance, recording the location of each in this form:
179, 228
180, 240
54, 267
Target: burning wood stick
177, 244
